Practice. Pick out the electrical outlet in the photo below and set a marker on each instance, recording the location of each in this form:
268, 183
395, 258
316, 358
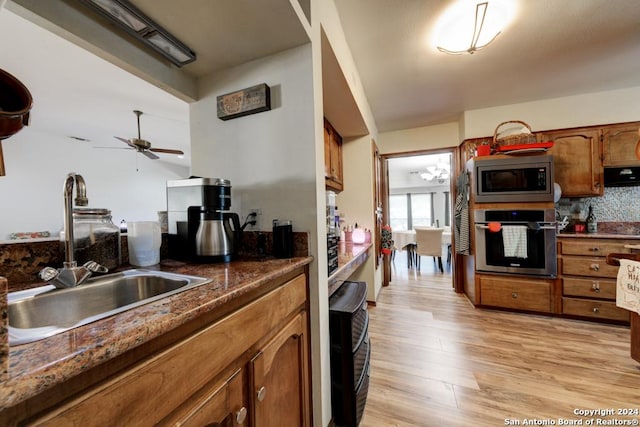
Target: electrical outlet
257, 219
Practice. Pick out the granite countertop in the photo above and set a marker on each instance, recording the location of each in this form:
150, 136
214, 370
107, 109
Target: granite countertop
34, 367
606, 230
599, 235
350, 257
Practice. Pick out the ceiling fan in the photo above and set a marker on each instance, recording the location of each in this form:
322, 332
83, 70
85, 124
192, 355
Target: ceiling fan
143, 146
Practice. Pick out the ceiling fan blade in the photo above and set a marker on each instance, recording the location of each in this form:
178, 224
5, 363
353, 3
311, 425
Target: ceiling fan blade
126, 141
150, 155
166, 150
115, 148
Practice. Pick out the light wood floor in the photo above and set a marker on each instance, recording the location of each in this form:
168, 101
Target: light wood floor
438, 361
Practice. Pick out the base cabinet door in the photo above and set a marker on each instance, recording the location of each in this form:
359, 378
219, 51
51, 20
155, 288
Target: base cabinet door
278, 375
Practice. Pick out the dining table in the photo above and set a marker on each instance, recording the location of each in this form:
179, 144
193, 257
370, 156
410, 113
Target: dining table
402, 238
406, 240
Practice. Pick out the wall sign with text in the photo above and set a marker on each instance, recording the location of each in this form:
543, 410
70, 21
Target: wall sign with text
251, 100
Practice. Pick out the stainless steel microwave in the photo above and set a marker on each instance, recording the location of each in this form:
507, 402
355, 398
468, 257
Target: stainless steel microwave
512, 178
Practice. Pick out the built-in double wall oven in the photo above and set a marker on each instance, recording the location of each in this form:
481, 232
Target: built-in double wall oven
516, 241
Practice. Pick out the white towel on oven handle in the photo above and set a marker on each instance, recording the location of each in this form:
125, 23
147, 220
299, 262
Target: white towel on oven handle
514, 238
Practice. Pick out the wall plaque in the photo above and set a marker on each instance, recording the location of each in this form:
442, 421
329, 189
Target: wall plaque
247, 101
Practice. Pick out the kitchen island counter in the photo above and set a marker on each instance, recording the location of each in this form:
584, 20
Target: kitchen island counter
36, 367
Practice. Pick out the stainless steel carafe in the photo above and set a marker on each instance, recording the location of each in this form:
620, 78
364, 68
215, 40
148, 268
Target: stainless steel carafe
218, 236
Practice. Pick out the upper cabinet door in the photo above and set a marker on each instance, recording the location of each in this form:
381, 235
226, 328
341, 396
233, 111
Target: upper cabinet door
577, 161
620, 144
332, 158
327, 149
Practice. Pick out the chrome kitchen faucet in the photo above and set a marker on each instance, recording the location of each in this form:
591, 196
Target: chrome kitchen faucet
70, 274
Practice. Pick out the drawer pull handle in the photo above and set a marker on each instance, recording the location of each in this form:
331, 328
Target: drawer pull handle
514, 295
241, 415
595, 286
594, 249
596, 310
595, 267
262, 393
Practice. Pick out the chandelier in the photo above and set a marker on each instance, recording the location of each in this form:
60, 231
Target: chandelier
439, 173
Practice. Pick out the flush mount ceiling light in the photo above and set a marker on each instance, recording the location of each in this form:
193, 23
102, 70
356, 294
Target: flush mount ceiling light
468, 27
136, 23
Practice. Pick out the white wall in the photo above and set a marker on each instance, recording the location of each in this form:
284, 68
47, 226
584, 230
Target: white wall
274, 160
356, 203
598, 108
325, 18
573, 111
38, 163
422, 138
330, 21
269, 156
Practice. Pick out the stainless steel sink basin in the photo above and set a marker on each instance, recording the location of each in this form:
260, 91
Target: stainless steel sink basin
41, 312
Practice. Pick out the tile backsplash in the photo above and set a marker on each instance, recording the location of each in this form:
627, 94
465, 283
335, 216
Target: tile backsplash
618, 204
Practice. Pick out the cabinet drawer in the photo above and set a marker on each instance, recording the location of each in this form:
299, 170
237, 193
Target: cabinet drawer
593, 247
517, 294
595, 309
585, 266
591, 288
361, 360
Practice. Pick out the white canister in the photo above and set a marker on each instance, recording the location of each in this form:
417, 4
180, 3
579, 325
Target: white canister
143, 240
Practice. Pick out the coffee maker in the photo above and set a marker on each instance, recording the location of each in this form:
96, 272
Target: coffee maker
200, 228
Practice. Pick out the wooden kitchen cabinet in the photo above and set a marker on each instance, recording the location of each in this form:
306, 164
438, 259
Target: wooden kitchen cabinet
620, 142
577, 161
588, 282
518, 293
208, 378
225, 406
332, 158
277, 378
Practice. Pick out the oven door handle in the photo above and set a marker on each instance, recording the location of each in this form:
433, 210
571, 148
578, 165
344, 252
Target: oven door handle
548, 227
542, 227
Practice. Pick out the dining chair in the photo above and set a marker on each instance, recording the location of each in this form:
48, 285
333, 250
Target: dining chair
411, 255
429, 243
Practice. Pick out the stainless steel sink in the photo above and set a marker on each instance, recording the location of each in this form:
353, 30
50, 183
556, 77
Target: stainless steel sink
41, 312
